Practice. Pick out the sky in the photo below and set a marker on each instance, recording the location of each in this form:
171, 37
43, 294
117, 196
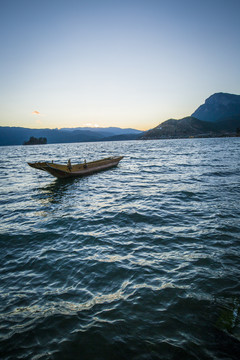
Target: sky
134, 63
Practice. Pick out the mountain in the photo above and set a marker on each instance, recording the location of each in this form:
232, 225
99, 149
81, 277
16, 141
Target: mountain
218, 106
18, 135
218, 116
186, 127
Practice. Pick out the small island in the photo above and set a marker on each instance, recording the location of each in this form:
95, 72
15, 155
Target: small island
35, 141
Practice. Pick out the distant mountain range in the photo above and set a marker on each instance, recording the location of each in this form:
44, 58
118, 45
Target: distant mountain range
18, 135
218, 116
106, 132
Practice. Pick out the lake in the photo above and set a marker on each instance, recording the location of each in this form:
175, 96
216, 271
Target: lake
137, 262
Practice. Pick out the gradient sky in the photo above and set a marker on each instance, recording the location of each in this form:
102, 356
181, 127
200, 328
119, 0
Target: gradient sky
69, 63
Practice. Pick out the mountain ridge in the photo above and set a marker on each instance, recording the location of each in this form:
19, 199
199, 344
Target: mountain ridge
18, 135
106, 130
218, 116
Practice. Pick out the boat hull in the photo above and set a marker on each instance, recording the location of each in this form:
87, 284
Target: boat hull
79, 170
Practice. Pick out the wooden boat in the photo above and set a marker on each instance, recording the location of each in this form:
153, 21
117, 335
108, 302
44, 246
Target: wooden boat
67, 171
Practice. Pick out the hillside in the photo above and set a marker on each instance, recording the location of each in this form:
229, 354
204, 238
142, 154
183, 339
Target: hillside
186, 127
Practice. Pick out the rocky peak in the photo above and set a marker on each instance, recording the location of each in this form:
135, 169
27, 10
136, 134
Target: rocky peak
222, 98
218, 106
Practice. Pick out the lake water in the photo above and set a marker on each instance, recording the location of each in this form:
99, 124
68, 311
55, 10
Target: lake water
137, 262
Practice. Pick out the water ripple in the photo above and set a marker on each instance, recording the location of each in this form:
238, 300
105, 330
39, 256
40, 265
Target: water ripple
139, 262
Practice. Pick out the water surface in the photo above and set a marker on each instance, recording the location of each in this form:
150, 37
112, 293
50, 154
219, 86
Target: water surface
137, 262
